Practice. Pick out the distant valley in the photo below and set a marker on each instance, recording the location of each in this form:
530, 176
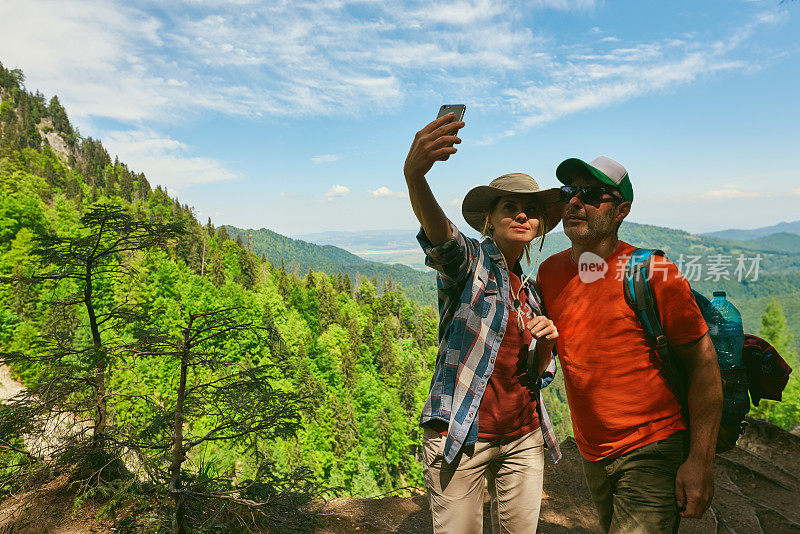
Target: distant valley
385, 246
775, 249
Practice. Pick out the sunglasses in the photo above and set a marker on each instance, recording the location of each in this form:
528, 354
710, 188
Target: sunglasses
588, 194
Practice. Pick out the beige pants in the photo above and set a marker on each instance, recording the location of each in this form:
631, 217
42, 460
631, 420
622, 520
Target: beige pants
512, 469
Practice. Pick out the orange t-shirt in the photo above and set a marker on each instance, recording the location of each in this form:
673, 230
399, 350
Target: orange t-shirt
617, 400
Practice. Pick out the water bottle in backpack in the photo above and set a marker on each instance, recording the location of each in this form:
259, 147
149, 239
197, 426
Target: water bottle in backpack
726, 332
725, 328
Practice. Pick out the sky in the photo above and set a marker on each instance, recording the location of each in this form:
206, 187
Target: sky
297, 115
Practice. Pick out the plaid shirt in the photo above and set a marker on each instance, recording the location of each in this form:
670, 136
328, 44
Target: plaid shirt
473, 290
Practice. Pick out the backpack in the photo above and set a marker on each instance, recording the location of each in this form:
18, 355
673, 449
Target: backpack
764, 373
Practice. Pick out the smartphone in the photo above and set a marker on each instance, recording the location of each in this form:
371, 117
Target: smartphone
458, 110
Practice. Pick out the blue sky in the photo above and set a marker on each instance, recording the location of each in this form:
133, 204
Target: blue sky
297, 115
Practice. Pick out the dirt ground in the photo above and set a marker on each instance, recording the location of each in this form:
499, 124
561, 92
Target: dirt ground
757, 491
49, 509
8, 386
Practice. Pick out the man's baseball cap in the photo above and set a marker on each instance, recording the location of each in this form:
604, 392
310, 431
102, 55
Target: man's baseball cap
604, 169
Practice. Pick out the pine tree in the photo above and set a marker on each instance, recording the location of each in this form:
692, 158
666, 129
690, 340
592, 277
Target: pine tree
347, 285
407, 387
785, 413
74, 373
248, 267
774, 329
59, 117
246, 410
195, 259
385, 358
217, 269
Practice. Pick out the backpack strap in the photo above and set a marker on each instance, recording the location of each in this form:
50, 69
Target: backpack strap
639, 294
640, 297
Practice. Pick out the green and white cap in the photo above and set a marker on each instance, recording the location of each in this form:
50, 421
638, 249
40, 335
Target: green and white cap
604, 169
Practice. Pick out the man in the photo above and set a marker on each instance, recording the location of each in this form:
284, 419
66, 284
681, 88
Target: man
626, 420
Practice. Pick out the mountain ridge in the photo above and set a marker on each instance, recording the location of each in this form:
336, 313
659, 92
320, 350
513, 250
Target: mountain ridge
792, 227
301, 256
777, 275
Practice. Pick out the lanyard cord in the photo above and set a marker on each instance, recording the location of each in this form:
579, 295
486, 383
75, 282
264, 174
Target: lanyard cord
516, 303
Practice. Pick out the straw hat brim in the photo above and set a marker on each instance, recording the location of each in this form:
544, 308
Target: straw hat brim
478, 199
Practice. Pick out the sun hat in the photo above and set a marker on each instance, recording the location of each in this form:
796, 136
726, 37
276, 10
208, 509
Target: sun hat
604, 169
478, 199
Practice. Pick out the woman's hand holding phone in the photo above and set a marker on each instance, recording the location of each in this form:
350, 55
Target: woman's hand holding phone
431, 144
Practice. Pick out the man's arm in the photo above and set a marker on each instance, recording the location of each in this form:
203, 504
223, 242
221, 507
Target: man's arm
544, 357
694, 483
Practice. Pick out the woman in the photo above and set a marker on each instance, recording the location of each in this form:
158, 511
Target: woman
484, 418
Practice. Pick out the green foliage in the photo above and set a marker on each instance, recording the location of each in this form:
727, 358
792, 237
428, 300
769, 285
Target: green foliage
362, 361
781, 241
785, 413
555, 399
773, 328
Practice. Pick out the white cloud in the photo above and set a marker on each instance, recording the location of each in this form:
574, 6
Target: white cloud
727, 193
336, 191
458, 13
164, 160
565, 5
384, 191
106, 58
325, 158
92, 53
591, 81
455, 202
796, 191
133, 63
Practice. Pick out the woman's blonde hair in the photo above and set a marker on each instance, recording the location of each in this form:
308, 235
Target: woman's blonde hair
541, 216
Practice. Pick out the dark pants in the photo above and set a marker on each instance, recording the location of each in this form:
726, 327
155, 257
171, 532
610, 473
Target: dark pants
635, 492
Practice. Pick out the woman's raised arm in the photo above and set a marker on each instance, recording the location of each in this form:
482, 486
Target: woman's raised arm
432, 143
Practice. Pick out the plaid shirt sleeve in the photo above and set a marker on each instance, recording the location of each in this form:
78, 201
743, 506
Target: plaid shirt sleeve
454, 259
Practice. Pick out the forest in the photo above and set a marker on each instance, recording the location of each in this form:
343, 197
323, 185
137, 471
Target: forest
353, 361
184, 365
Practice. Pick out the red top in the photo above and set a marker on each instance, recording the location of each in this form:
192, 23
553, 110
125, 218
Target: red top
508, 407
616, 398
